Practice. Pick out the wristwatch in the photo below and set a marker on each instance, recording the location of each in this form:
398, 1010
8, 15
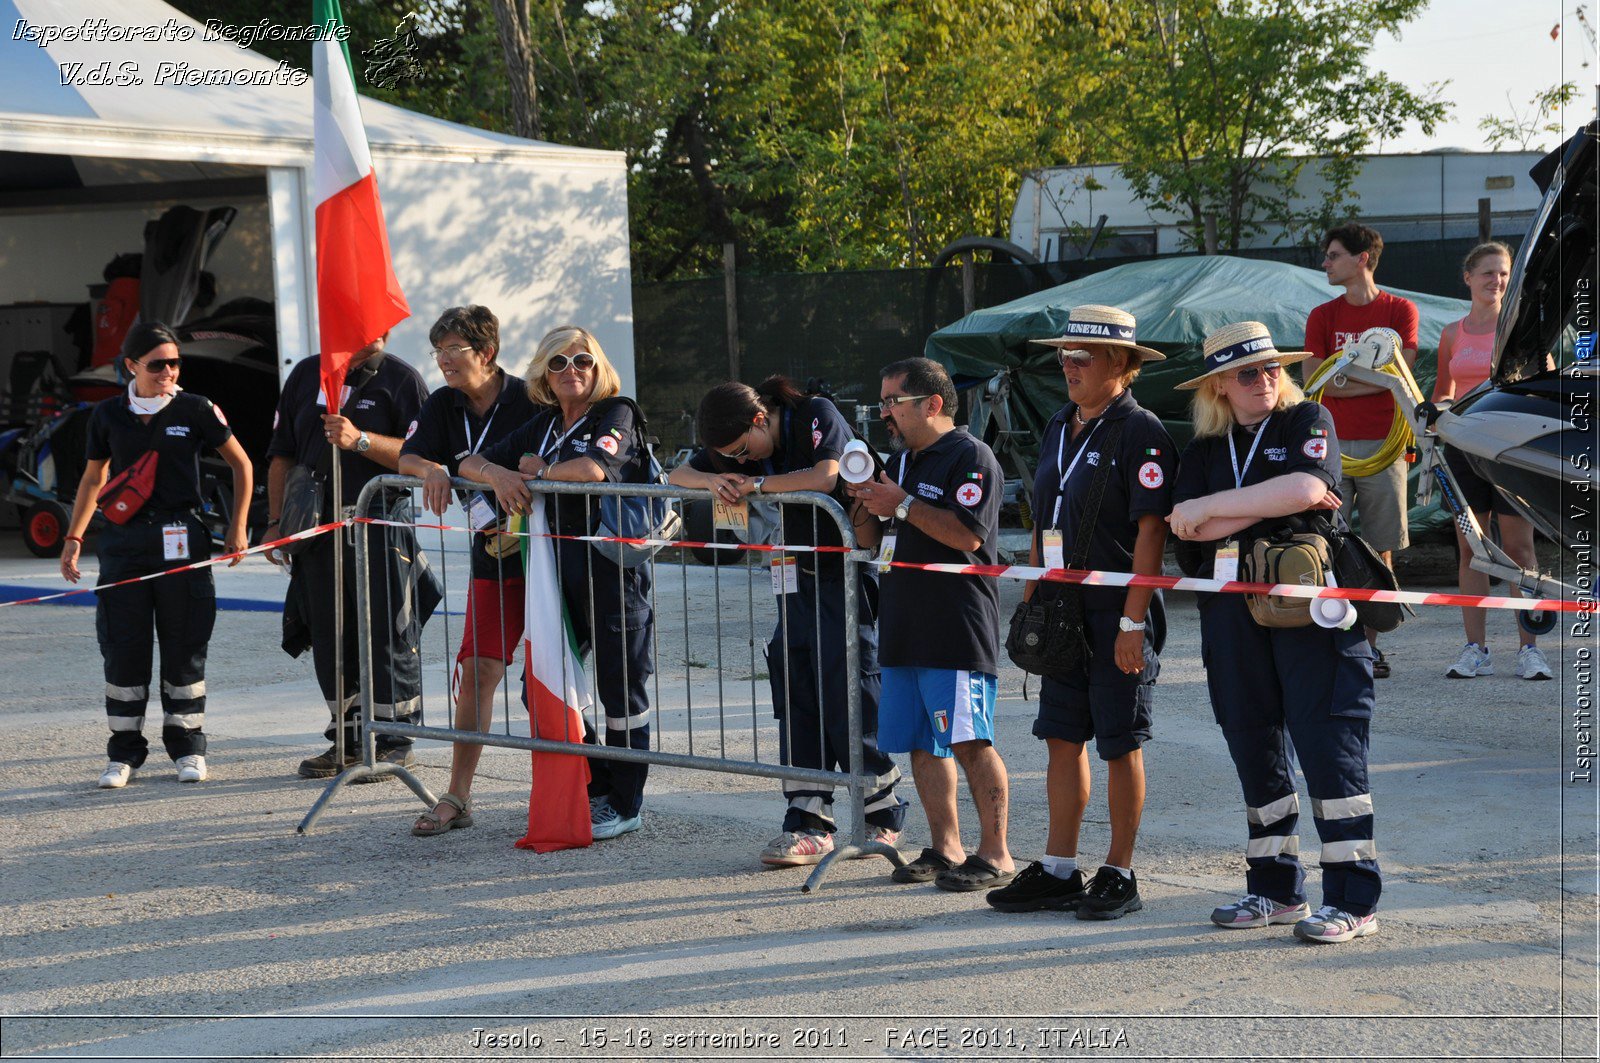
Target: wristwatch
756, 484
363, 443
1130, 625
903, 510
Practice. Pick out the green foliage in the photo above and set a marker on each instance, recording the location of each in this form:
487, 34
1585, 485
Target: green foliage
1520, 129
1213, 106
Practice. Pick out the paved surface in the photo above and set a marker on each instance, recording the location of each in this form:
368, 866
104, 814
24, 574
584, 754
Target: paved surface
164, 920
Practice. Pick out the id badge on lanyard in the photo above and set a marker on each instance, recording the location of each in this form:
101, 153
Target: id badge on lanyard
1227, 563
175, 542
886, 547
1054, 546
785, 576
1226, 566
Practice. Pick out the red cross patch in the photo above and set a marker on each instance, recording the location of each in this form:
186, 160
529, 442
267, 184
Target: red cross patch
969, 494
1151, 476
218, 411
412, 430
607, 444
1316, 449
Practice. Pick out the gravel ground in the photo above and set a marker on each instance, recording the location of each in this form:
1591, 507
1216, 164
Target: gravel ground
164, 921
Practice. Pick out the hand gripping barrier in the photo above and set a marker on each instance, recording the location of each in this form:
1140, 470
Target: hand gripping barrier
735, 746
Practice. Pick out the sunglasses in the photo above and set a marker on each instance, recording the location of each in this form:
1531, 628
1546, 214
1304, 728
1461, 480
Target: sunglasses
156, 365
742, 452
1246, 377
582, 362
894, 400
1081, 359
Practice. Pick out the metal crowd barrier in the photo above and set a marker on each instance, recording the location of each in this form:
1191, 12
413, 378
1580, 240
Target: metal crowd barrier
388, 500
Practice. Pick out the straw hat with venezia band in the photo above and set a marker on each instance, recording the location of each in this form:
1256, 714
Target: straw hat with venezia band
1101, 324
1236, 346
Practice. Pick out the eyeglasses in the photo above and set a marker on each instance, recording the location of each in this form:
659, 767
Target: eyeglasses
1247, 376
1334, 256
1081, 359
451, 352
156, 365
582, 362
894, 400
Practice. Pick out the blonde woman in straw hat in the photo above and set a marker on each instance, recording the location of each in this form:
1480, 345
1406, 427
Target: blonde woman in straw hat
1108, 696
1264, 459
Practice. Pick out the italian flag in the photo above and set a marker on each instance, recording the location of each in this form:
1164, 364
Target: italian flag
557, 692
358, 297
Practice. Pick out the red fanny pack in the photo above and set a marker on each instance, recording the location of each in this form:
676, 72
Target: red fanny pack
127, 492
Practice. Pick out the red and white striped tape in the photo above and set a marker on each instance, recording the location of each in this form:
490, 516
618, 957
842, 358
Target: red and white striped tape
320, 529
1093, 578
1096, 578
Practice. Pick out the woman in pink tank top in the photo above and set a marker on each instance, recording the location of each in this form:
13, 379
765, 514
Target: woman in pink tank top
1466, 350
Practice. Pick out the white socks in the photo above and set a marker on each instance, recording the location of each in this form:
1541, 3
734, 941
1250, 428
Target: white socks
1060, 866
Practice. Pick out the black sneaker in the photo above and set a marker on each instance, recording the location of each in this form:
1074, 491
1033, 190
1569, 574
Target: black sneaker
1037, 889
1110, 896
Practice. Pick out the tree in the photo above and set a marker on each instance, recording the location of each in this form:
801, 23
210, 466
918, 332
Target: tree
1218, 107
1520, 128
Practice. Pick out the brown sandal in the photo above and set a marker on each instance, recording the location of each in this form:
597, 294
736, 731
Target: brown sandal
429, 823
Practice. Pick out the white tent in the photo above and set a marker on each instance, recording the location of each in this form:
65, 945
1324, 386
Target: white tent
99, 131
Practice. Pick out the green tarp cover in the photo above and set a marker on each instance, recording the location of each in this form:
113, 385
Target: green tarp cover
1176, 301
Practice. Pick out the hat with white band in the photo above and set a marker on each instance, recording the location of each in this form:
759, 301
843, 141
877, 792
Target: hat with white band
1241, 344
1101, 324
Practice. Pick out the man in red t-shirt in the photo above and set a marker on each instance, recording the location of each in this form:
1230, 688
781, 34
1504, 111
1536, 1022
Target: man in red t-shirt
1362, 413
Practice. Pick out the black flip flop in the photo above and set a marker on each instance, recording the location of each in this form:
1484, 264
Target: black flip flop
975, 874
924, 868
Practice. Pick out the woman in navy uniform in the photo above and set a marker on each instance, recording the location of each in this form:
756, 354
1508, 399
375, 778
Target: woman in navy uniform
774, 438
1264, 459
479, 405
177, 610
1108, 698
587, 433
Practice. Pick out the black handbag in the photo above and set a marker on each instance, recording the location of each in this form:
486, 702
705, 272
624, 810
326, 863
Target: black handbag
1047, 635
1358, 566
302, 506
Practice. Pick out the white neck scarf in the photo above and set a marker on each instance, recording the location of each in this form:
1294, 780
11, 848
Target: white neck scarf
149, 407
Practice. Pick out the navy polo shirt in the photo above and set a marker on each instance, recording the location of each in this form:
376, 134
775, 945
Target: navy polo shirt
814, 431
1299, 439
1141, 481
935, 619
177, 434
606, 435
447, 430
384, 398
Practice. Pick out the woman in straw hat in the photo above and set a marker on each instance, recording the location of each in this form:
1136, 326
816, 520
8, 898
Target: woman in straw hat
1263, 458
1108, 696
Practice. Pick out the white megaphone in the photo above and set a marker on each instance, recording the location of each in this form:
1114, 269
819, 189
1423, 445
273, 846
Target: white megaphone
855, 462
1333, 612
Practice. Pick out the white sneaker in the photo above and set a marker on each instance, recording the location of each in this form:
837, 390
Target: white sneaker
1532, 665
1474, 661
116, 775
192, 768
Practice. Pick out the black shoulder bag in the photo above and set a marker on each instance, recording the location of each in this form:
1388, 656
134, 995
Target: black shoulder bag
1047, 634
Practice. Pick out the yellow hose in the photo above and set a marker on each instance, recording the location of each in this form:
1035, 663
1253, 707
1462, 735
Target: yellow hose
1400, 435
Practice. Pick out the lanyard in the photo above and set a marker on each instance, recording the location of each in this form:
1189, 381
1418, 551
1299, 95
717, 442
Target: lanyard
466, 426
545, 446
1066, 474
1233, 454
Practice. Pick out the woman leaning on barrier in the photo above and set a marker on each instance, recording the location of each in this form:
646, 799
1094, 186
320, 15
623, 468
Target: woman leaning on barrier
586, 432
1263, 461
155, 421
479, 405
773, 438
1102, 493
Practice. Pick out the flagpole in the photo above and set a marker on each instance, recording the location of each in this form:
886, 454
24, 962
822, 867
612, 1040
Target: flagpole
338, 605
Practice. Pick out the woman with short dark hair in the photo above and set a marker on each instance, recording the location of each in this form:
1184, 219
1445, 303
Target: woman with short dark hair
479, 405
